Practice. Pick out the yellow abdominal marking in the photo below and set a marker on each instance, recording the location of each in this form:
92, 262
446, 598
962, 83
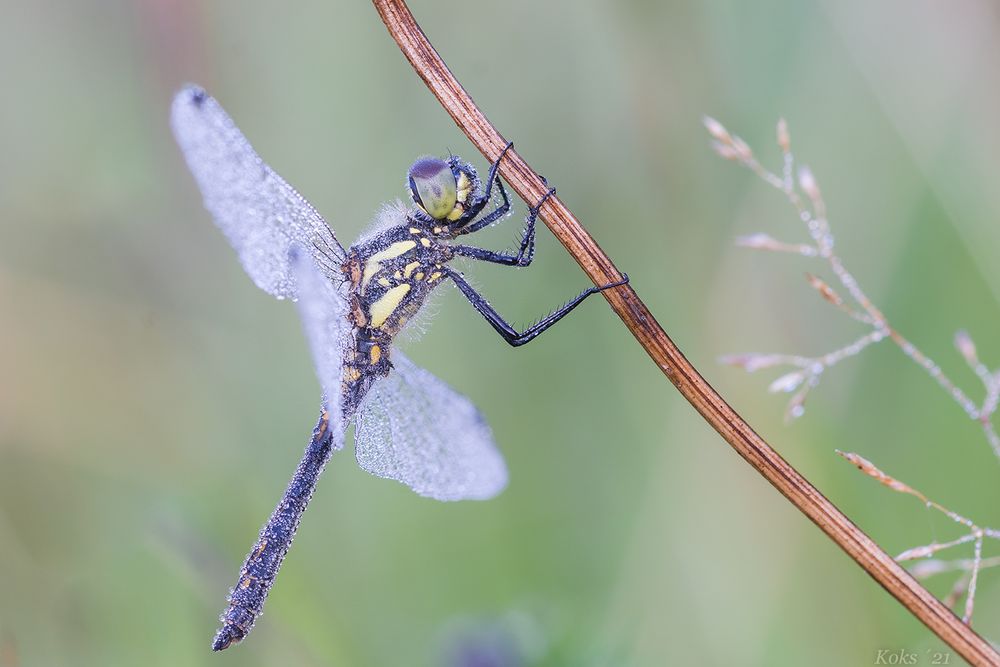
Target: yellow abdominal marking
414, 230
434, 276
387, 304
410, 268
374, 263
352, 374
375, 354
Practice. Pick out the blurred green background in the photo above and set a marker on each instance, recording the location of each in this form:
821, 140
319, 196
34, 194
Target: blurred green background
153, 403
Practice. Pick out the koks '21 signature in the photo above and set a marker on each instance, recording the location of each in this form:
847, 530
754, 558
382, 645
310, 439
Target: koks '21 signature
886, 656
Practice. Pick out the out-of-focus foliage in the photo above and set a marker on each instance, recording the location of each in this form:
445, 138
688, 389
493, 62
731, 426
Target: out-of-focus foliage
153, 402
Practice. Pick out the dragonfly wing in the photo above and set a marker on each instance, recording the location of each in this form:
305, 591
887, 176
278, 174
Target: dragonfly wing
323, 308
414, 428
260, 214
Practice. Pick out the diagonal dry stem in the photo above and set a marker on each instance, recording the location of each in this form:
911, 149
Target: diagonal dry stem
637, 318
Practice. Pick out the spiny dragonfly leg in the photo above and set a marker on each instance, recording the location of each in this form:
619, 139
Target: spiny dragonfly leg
526, 251
480, 203
506, 331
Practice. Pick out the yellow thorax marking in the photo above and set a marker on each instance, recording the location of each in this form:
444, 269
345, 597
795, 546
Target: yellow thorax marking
410, 268
387, 304
463, 187
374, 263
375, 354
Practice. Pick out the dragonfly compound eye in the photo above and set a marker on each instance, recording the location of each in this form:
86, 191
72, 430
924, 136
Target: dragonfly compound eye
433, 187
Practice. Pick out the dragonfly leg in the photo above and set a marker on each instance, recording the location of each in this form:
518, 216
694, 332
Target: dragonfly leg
506, 331
492, 177
526, 251
480, 203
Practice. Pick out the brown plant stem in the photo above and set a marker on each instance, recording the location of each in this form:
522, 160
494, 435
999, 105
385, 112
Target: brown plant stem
637, 318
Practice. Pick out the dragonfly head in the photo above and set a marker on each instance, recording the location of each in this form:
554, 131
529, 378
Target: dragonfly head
441, 188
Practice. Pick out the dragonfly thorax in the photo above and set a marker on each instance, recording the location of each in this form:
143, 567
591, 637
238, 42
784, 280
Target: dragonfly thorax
390, 276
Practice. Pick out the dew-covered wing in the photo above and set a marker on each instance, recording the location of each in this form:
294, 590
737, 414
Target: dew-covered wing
323, 309
260, 214
414, 428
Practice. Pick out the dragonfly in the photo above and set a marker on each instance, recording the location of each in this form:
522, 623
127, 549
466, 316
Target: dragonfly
408, 425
